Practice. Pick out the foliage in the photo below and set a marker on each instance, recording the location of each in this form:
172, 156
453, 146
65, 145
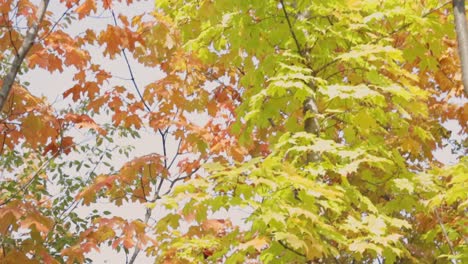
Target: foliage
227, 117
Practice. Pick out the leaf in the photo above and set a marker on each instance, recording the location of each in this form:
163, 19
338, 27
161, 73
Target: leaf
404, 184
291, 239
84, 121
86, 8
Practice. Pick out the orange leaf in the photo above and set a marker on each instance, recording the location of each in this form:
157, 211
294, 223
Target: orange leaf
84, 121
75, 91
42, 223
128, 243
86, 8
107, 4
66, 144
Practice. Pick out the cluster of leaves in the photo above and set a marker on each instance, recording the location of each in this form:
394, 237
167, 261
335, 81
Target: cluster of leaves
363, 186
383, 85
55, 160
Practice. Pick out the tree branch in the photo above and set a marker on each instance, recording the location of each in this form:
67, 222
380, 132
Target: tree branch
56, 23
22, 52
444, 232
293, 34
137, 249
311, 124
291, 249
130, 71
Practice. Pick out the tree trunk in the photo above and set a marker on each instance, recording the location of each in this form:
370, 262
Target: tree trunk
462, 37
311, 124
21, 53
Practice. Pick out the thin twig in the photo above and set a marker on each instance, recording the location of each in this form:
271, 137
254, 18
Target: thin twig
444, 232
130, 71
176, 154
173, 182
293, 34
291, 249
56, 23
11, 39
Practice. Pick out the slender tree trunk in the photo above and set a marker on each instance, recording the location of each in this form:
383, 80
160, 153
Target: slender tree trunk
21, 53
462, 37
311, 124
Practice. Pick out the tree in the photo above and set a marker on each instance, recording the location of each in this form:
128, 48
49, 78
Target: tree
462, 37
321, 122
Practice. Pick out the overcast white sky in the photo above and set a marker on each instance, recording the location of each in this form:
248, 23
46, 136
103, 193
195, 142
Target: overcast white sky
53, 85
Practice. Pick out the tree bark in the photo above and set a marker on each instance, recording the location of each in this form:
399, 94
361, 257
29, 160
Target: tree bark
462, 37
311, 124
22, 52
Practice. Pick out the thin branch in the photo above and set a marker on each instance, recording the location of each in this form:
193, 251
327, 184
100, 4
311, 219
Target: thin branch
291, 249
159, 188
444, 232
36, 173
173, 182
146, 106
175, 155
11, 39
132, 76
293, 34
163, 139
33, 177
56, 23
311, 124
22, 52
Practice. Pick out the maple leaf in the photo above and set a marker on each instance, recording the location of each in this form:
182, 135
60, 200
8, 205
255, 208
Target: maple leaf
259, 243
232, 86
85, 8
84, 121
41, 223
75, 91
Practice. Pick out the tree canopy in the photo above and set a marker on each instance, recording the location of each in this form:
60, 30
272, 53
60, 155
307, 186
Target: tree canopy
286, 131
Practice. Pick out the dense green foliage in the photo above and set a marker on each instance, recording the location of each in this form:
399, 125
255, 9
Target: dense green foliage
368, 197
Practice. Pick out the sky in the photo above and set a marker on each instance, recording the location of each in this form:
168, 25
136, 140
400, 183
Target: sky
42, 83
